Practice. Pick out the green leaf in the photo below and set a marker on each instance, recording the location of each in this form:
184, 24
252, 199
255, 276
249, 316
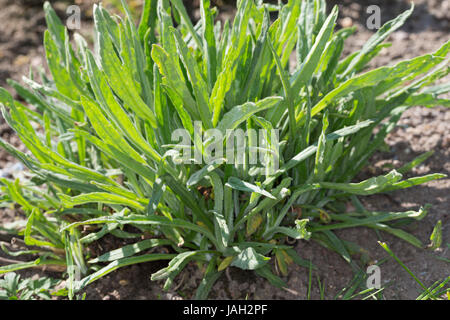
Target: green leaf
211, 276
366, 187
414, 163
239, 114
436, 236
299, 261
237, 184
158, 191
304, 75
392, 254
197, 176
411, 182
186, 20
274, 280
120, 78
19, 266
144, 220
199, 85
174, 79
148, 19
249, 259
309, 151
253, 224
130, 250
375, 217
222, 230
374, 77
299, 232
108, 102
379, 37
119, 264
102, 197
175, 265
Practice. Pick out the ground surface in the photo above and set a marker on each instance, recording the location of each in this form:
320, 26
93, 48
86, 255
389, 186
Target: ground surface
420, 130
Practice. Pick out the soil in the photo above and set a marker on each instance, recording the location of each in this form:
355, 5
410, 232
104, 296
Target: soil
420, 130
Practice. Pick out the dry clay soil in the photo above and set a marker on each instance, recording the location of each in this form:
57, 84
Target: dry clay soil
420, 130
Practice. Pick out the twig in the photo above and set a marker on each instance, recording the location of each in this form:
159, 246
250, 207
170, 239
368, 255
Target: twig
183, 277
9, 261
51, 268
291, 291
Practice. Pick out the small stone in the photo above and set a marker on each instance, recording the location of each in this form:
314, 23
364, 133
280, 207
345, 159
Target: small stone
123, 282
347, 22
115, 294
21, 60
